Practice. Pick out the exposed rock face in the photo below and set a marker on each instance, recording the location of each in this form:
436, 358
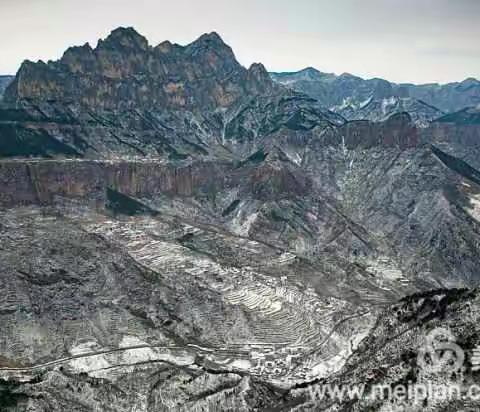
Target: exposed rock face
194, 237
124, 72
33, 182
375, 99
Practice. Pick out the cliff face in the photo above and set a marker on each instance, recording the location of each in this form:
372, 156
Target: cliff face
398, 131
40, 183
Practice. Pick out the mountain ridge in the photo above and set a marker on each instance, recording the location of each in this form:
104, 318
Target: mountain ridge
345, 93
314, 71
126, 55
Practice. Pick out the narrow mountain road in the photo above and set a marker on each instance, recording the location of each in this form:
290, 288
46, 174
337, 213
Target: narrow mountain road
194, 347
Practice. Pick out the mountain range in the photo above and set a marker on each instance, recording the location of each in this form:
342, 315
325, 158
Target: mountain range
376, 99
179, 232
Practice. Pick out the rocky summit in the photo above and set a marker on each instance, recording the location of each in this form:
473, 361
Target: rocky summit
181, 233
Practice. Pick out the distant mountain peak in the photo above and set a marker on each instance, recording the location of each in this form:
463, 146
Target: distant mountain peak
4, 82
472, 80
306, 74
350, 76
165, 46
310, 70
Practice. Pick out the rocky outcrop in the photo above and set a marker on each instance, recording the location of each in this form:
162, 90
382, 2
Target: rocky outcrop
40, 183
396, 132
457, 134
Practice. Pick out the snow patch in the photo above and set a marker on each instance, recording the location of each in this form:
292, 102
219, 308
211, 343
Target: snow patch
385, 269
243, 228
86, 347
242, 364
386, 103
474, 210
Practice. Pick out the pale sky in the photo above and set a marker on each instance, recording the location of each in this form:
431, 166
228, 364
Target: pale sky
400, 40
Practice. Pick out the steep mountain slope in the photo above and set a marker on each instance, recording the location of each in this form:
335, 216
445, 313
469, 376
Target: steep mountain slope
375, 99
467, 116
457, 134
390, 359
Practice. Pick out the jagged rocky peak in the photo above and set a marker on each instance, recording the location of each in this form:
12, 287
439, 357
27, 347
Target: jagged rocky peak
258, 70
124, 71
124, 37
210, 44
259, 79
212, 38
311, 72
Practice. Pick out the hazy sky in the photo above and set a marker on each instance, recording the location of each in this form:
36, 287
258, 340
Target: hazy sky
400, 40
